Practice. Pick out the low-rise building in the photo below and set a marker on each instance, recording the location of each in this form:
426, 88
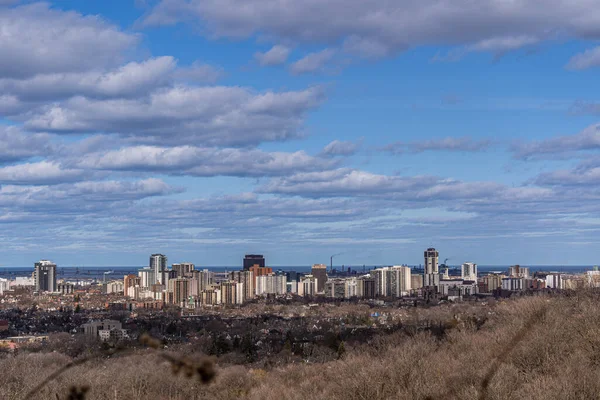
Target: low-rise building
105, 330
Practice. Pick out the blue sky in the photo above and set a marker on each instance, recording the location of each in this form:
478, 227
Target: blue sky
207, 129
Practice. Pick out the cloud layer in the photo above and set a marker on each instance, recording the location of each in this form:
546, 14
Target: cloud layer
379, 28
106, 148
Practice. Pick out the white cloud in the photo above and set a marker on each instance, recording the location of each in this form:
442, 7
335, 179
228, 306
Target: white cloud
340, 148
35, 39
39, 173
195, 161
312, 62
126, 81
588, 59
503, 44
464, 144
382, 27
588, 139
16, 145
276, 56
186, 115
199, 72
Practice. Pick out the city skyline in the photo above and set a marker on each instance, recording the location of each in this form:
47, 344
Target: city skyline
193, 129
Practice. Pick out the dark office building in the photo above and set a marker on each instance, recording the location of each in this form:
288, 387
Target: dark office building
292, 276
368, 288
319, 271
253, 259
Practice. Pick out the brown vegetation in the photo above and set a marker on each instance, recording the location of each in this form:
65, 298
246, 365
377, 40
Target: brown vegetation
529, 348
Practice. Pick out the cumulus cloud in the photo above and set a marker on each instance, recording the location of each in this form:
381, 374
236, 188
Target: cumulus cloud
15, 145
367, 48
10, 105
38, 40
585, 108
132, 79
196, 161
197, 115
464, 144
503, 44
588, 139
340, 148
39, 173
80, 198
312, 62
199, 72
573, 177
496, 45
121, 190
588, 59
342, 182
382, 27
413, 192
276, 56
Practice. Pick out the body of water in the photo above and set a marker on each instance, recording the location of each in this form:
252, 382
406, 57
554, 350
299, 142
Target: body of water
118, 272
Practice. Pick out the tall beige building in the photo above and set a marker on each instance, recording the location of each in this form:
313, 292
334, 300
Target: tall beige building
516, 271
392, 281
431, 272
245, 277
468, 271
232, 293
308, 286
179, 291
183, 269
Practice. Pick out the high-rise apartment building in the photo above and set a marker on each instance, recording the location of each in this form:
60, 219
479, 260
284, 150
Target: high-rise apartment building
247, 279
392, 281
516, 271
399, 281
351, 288
232, 292
493, 281
147, 277
158, 263
555, 281
45, 276
513, 283
431, 273
319, 271
130, 280
211, 297
259, 271
367, 287
468, 271
307, 286
250, 260
183, 270
271, 284
416, 281
205, 278
201, 280
179, 291
335, 288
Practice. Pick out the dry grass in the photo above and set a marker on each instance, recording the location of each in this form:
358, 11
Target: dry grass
530, 348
